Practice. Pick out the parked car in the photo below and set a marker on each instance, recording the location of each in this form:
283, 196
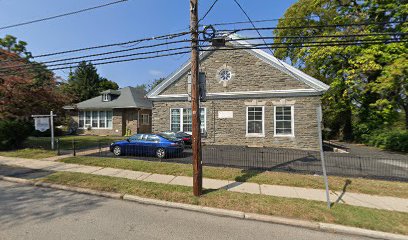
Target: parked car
148, 144
179, 135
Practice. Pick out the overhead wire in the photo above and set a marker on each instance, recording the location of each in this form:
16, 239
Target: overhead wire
61, 15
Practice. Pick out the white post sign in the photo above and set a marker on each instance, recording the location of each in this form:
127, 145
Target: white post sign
44, 122
319, 129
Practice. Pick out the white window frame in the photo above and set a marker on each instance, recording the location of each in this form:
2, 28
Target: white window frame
105, 97
147, 118
98, 111
203, 124
263, 123
292, 109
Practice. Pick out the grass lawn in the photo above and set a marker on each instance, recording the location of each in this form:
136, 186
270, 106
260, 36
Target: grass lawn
359, 185
29, 153
381, 220
65, 143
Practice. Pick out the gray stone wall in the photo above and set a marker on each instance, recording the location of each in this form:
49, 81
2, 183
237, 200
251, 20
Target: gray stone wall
232, 131
249, 74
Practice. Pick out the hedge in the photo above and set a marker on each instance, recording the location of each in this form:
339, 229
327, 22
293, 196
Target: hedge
13, 134
396, 140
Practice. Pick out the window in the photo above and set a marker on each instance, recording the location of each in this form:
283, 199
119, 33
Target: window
95, 119
181, 119
175, 120
284, 121
255, 121
102, 119
109, 119
145, 119
87, 119
81, 121
105, 97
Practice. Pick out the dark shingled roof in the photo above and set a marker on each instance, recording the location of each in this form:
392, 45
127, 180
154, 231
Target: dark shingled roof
129, 97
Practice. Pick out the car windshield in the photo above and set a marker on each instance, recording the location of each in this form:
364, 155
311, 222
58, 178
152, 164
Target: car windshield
182, 134
168, 136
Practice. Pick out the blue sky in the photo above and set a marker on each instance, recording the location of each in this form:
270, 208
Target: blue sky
126, 21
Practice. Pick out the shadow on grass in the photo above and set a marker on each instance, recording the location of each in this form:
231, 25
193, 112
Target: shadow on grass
340, 197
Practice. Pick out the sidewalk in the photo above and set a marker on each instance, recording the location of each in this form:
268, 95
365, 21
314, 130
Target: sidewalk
356, 199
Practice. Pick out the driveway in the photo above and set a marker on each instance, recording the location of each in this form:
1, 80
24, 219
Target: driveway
38, 213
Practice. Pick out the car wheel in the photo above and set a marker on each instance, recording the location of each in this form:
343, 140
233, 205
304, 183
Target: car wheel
160, 153
117, 151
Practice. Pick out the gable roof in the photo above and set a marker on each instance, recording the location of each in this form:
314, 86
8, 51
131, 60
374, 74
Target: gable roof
128, 97
317, 86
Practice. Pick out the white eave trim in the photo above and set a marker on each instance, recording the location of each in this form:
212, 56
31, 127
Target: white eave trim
243, 94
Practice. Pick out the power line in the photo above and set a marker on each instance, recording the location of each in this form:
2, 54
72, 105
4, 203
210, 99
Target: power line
61, 15
259, 21
252, 46
208, 11
253, 25
310, 26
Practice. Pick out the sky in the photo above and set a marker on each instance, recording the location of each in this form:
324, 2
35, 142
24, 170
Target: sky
121, 22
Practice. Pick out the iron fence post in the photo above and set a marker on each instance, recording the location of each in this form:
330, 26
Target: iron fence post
58, 147
73, 147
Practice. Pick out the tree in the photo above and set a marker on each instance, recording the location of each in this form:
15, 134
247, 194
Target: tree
26, 90
154, 84
10, 44
367, 81
85, 83
105, 84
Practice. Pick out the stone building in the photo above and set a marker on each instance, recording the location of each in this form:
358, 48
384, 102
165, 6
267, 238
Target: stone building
253, 99
114, 112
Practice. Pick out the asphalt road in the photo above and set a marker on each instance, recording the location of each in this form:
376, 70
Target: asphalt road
38, 213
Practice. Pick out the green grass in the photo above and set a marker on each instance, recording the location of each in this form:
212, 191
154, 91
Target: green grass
359, 185
380, 220
29, 153
65, 143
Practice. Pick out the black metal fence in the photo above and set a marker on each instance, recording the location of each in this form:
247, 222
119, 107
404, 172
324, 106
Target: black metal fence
277, 159
262, 159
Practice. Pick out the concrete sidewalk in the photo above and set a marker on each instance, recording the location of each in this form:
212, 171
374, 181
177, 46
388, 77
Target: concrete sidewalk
356, 199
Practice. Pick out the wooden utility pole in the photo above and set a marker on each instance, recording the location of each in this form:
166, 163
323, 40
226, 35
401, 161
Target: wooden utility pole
195, 100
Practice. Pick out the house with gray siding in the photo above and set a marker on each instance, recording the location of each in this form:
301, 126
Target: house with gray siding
115, 112
253, 99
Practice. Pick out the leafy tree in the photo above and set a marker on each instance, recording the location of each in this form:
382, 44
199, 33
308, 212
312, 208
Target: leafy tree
154, 84
85, 83
26, 89
105, 84
10, 44
368, 83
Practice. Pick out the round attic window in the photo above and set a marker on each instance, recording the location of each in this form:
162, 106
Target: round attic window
225, 75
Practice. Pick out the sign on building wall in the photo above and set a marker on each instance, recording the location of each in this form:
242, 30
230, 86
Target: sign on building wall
225, 114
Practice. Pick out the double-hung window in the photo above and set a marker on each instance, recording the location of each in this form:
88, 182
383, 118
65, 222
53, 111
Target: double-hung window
181, 119
284, 121
95, 119
255, 126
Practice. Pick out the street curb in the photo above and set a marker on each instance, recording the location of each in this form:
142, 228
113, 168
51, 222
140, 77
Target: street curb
318, 226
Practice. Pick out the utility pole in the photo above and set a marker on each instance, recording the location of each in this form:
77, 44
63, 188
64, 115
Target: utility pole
195, 101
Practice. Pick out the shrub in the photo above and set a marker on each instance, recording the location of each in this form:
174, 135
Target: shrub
396, 140
13, 134
57, 132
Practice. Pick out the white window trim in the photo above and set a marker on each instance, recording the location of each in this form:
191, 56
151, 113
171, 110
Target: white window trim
148, 119
292, 121
105, 97
263, 123
106, 119
203, 124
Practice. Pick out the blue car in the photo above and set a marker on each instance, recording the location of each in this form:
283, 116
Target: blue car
158, 145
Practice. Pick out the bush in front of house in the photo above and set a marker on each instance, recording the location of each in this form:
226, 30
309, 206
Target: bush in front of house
396, 140
47, 133
13, 134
